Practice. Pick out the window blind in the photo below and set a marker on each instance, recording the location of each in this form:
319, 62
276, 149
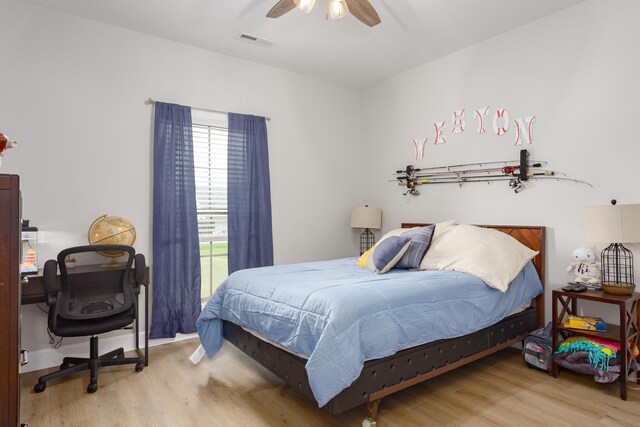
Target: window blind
210, 164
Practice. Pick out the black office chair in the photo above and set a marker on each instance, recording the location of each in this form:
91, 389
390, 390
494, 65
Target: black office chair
90, 307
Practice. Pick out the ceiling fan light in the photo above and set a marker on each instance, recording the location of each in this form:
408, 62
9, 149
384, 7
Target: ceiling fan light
337, 9
305, 5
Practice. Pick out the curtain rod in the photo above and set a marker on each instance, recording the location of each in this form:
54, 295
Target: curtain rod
153, 101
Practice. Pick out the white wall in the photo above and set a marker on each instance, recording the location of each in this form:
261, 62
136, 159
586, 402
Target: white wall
576, 70
72, 93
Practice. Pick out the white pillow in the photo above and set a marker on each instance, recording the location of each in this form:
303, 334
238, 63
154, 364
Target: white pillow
488, 254
441, 226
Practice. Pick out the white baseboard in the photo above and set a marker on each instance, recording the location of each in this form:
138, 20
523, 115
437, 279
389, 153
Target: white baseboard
49, 357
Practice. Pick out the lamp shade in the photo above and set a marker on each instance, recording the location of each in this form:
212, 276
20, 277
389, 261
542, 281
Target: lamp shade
612, 224
366, 217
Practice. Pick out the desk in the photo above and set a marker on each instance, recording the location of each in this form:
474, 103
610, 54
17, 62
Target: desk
33, 292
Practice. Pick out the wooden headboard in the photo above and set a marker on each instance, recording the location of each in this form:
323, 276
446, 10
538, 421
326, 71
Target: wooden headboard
530, 236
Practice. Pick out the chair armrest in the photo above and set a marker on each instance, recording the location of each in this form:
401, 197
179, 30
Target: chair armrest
141, 269
54, 311
49, 278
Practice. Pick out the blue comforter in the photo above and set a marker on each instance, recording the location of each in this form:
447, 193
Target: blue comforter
340, 315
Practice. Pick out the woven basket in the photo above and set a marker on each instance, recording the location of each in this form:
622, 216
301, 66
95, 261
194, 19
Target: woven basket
622, 289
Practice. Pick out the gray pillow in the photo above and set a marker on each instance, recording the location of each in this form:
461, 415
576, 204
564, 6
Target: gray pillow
387, 253
420, 242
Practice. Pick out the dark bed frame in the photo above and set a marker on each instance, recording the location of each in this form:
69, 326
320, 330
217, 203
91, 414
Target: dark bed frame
382, 377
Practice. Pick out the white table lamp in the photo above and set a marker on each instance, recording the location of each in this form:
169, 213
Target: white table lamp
367, 218
614, 224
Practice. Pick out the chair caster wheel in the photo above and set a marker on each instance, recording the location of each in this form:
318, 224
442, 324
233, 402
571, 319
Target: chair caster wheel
91, 388
368, 422
139, 366
39, 388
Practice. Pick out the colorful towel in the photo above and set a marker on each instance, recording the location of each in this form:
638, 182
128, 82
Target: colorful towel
613, 345
600, 351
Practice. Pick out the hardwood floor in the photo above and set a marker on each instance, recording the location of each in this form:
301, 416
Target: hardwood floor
233, 390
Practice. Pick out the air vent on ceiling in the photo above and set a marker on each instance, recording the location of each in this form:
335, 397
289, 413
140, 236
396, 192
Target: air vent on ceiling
256, 40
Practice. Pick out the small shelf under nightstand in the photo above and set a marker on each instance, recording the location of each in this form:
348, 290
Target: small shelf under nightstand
625, 331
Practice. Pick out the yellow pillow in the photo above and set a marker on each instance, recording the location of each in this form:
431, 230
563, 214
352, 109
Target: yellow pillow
362, 261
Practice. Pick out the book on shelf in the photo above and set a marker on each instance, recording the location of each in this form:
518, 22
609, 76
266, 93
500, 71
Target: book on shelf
586, 323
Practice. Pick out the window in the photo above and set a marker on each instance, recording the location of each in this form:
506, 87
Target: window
210, 164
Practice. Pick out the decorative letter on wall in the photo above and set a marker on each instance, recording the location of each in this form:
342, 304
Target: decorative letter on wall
458, 121
479, 114
501, 130
420, 145
524, 130
439, 126
501, 125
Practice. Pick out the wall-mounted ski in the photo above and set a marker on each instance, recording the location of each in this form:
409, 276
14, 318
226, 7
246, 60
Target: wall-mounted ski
515, 174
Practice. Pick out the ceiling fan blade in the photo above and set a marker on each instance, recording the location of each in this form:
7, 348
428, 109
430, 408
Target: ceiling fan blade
282, 7
363, 10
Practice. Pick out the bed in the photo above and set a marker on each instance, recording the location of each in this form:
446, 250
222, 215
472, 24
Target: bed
382, 376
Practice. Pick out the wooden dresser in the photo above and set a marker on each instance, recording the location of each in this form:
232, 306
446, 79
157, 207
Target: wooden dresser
9, 300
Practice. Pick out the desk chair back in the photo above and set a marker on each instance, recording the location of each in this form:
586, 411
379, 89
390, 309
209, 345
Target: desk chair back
108, 295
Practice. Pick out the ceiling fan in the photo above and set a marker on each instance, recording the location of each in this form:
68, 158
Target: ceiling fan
336, 9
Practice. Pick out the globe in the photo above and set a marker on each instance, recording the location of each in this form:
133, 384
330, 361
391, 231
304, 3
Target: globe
111, 230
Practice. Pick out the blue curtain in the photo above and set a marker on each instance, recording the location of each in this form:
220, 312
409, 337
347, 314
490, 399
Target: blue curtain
176, 250
249, 194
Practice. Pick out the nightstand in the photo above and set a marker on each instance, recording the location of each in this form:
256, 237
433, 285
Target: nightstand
626, 330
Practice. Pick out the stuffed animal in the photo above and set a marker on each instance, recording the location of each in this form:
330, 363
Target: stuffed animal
584, 266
